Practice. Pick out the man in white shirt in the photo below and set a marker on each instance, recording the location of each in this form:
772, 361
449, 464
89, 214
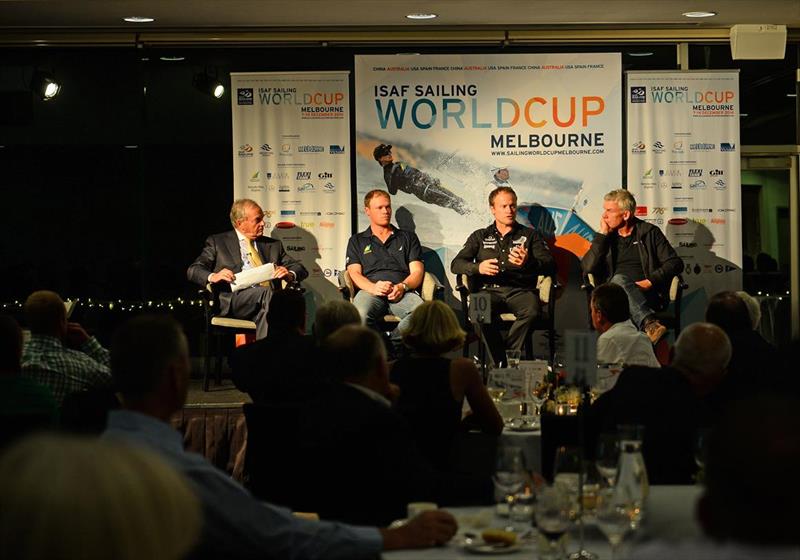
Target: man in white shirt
620, 342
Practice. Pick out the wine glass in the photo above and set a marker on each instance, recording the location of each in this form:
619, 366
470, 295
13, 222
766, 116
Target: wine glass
512, 358
553, 520
509, 477
607, 458
497, 385
569, 474
613, 513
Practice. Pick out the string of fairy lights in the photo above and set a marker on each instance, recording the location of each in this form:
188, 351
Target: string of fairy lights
125, 306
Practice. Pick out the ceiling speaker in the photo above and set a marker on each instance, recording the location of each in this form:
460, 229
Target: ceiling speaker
758, 42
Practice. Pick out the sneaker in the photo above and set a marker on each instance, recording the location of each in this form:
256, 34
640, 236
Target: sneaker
655, 331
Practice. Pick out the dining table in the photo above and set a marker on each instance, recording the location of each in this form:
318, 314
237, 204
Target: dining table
669, 516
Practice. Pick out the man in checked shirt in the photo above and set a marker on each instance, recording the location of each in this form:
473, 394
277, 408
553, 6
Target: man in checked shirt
60, 354
505, 259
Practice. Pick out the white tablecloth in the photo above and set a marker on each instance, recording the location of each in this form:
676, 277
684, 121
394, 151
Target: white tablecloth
670, 517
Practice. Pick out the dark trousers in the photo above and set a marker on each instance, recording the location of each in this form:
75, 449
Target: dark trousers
252, 304
524, 304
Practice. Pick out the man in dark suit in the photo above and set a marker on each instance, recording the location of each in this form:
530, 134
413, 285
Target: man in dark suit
670, 402
226, 254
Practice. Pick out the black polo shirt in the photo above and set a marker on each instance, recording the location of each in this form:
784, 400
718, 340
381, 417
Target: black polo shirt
384, 261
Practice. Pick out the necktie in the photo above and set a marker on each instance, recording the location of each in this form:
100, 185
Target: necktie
252, 252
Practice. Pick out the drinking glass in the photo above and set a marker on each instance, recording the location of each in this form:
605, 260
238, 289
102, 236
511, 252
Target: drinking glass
607, 458
509, 477
512, 358
569, 474
553, 520
497, 385
613, 514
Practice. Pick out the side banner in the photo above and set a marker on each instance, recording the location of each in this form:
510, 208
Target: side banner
290, 154
683, 169
551, 120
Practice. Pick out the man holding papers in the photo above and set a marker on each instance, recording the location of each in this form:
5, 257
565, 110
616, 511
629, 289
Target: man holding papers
228, 254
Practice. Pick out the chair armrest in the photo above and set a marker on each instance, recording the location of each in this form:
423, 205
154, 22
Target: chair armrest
346, 286
430, 287
676, 287
463, 293
546, 287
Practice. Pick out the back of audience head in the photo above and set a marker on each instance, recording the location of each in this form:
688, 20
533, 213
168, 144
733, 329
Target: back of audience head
333, 315
150, 363
287, 312
45, 314
611, 302
67, 497
752, 461
433, 329
728, 311
753, 308
10, 345
702, 353
359, 354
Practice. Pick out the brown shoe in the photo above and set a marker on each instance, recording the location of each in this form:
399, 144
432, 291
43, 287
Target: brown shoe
655, 331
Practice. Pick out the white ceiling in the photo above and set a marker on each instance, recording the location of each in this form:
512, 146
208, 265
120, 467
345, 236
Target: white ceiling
85, 15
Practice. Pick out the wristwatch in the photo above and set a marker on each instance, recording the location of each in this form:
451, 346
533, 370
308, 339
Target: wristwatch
405, 287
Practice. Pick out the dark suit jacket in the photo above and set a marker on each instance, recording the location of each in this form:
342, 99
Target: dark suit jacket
661, 400
349, 458
222, 251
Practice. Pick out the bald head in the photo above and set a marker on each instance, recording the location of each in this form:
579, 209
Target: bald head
45, 313
702, 353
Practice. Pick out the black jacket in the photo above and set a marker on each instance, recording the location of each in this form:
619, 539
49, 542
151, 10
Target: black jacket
487, 243
660, 262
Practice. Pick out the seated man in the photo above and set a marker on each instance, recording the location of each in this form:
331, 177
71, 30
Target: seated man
619, 341
505, 259
372, 465
635, 255
150, 364
226, 254
669, 402
282, 366
385, 264
61, 355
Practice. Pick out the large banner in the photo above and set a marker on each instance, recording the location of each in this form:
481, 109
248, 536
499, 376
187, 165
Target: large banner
552, 121
290, 154
683, 169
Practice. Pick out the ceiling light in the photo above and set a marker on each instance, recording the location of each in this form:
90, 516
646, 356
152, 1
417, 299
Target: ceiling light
699, 14
172, 58
209, 84
791, 95
138, 19
44, 85
640, 54
421, 16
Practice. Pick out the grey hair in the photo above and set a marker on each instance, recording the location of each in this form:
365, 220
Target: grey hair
703, 349
239, 209
623, 198
333, 315
753, 308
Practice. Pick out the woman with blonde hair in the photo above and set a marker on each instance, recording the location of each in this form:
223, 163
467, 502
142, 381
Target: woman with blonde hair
64, 497
433, 387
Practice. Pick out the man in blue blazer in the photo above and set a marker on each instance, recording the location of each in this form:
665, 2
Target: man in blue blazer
226, 254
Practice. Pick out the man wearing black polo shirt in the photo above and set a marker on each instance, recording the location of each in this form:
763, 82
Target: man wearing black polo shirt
385, 263
505, 259
635, 255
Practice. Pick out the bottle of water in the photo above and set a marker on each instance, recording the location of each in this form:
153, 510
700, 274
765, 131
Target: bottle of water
632, 485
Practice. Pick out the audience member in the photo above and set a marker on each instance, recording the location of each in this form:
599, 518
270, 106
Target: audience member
60, 354
332, 315
25, 405
66, 498
150, 363
748, 510
753, 362
669, 402
753, 308
620, 342
372, 465
282, 366
433, 387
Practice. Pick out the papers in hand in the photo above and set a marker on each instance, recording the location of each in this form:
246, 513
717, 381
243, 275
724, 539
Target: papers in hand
252, 276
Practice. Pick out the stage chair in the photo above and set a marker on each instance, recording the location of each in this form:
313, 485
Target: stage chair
669, 317
546, 289
217, 326
430, 289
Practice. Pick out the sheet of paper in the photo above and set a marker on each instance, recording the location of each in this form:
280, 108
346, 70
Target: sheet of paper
252, 276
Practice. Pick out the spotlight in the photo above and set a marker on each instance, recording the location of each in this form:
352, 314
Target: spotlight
44, 85
209, 84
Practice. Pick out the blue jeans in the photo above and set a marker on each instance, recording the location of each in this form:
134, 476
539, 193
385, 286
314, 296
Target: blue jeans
640, 307
373, 308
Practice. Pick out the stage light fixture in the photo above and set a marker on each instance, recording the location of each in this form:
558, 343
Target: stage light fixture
44, 85
209, 84
421, 16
